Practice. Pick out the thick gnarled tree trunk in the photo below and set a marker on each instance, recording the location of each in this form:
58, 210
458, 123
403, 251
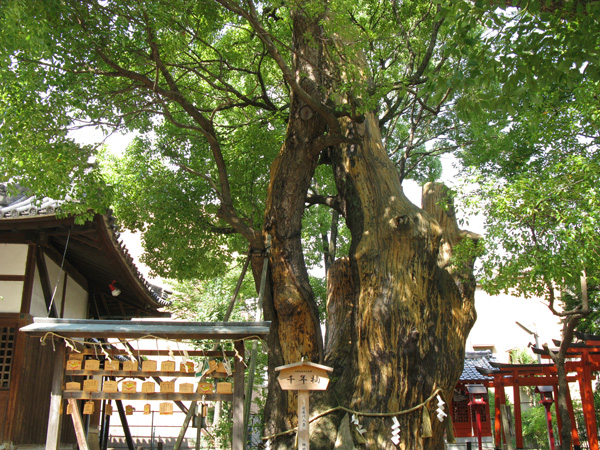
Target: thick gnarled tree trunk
398, 312
295, 331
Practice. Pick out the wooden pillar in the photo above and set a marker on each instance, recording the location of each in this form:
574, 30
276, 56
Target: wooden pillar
499, 399
125, 424
29, 280
250, 386
105, 426
78, 425
303, 412
238, 397
188, 417
518, 423
56, 403
587, 403
199, 428
574, 431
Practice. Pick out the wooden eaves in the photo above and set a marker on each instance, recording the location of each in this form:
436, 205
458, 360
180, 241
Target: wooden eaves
93, 254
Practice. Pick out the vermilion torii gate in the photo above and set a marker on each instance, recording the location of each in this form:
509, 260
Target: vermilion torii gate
515, 376
583, 359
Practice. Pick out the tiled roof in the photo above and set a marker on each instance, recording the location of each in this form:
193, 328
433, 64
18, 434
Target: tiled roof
472, 361
21, 204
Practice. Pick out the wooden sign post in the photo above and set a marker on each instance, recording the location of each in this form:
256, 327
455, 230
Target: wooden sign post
303, 377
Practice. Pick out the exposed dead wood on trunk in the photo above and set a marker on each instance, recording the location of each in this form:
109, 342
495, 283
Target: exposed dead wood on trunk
407, 319
438, 203
398, 311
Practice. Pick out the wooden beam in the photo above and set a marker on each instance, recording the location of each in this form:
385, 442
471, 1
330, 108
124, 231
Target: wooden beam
12, 277
55, 413
179, 403
155, 377
198, 429
125, 424
64, 298
238, 398
157, 396
29, 280
120, 329
121, 308
78, 425
40, 222
15, 237
57, 258
535, 381
105, 428
159, 352
249, 387
144, 374
185, 425
105, 304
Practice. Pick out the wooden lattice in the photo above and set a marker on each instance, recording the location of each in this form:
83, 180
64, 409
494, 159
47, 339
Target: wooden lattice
7, 344
460, 412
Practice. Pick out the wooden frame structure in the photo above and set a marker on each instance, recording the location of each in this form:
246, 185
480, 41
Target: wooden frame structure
58, 329
583, 358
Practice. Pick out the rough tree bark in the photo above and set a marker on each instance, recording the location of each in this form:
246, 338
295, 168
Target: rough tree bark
399, 312
570, 321
295, 332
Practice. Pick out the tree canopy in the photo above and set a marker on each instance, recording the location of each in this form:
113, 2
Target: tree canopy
539, 196
209, 100
213, 95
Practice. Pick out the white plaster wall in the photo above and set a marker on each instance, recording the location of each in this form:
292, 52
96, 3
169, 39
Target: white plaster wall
38, 304
11, 293
495, 325
13, 259
75, 301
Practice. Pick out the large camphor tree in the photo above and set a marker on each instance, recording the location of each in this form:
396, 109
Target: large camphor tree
254, 118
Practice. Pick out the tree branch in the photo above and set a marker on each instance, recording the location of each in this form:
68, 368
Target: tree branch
206, 128
332, 202
317, 106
